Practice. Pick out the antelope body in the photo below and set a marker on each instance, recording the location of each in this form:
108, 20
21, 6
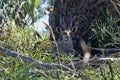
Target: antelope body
66, 31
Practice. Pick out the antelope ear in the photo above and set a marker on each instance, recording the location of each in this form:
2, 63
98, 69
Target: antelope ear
74, 29
58, 30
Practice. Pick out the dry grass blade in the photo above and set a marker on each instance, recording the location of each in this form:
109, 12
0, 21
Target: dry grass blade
115, 6
51, 31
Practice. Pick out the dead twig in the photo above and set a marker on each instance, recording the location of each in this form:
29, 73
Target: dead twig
106, 51
115, 6
53, 36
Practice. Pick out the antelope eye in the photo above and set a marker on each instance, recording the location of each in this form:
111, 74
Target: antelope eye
58, 30
74, 29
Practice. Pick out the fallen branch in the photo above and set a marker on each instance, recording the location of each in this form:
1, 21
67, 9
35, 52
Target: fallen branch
106, 51
40, 65
94, 61
36, 63
111, 59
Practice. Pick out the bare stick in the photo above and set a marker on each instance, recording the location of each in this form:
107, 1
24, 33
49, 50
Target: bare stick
111, 59
114, 4
36, 63
106, 51
51, 31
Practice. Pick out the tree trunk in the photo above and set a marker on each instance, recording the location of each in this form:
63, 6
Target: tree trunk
83, 12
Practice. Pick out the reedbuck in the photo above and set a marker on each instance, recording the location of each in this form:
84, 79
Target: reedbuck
66, 32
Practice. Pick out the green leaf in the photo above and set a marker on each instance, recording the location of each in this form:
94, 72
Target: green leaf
36, 3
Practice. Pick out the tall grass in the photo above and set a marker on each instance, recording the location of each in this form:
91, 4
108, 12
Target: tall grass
107, 31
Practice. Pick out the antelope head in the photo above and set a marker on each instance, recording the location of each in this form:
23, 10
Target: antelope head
66, 27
